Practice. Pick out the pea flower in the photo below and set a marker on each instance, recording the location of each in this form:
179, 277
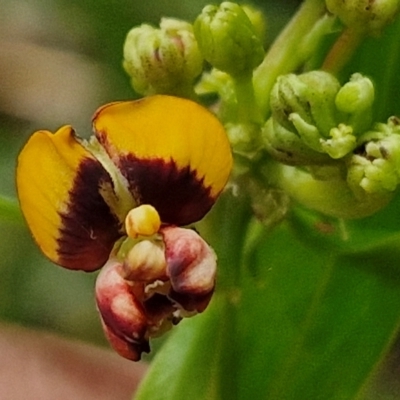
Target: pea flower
119, 201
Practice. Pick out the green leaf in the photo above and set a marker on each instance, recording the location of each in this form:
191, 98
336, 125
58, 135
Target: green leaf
191, 363
302, 324
316, 323
327, 234
198, 360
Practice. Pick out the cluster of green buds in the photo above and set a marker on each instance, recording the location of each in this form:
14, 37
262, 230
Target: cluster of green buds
314, 119
375, 166
163, 59
170, 58
334, 159
327, 151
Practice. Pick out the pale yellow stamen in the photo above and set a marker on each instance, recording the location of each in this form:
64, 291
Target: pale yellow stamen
145, 262
142, 221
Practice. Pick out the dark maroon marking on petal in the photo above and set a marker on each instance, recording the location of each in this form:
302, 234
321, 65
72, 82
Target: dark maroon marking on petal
177, 194
131, 350
88, 229
191, 302
158, 307
132, 330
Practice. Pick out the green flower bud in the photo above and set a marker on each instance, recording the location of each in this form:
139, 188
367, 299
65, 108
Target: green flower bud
341, 141
257, 18
311, 96
356, 98
364, 15
356, 95
375, 168
244, 138
288, 147
218, 82
228, 40
165, 60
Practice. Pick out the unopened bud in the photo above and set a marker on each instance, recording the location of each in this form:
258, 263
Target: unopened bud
356, 95
165, 60
288, 147
376, 166
244, 138
364, 15
310, 96
356, 98
257, 19
228, 40
341, 141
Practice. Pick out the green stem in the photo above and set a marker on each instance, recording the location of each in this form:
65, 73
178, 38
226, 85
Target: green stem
227, 227
186, 91
228, 224
9, 210
248, 110
284, 55
342, 51
331, 197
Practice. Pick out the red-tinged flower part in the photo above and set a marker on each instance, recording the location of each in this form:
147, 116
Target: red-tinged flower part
126, 349
191, 267
173, 152
58, 184
123, 316
137, 303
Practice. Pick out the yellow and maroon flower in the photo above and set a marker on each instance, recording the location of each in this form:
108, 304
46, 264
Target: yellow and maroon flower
160, 281
164, 151
119, 200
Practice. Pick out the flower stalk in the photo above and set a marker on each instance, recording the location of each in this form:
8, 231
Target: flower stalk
283, 56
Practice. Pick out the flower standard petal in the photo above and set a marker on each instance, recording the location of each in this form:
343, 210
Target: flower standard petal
59, 186
174, 153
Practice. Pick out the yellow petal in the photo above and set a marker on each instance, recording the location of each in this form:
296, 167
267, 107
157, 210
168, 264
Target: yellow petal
174, 153
59, 184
